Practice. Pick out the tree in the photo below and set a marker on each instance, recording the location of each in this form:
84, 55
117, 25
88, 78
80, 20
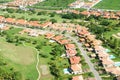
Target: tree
53, 20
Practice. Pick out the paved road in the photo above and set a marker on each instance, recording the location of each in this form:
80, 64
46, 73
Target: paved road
87, 59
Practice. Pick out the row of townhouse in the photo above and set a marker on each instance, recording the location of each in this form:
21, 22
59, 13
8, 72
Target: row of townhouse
104, 14
22, 22
68, 27
77, 4
95, 45
4, 27
71, 52
24, 2
67, 11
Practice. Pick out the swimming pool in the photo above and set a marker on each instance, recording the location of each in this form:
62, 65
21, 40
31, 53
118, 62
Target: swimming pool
107, 50
112, 57
117, 64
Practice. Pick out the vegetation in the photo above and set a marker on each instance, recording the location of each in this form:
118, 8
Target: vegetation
41, 16
5, 1
53, 4
49, 54
106, 4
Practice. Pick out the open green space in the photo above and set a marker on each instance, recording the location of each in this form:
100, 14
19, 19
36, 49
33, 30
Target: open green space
53, 4
108, 4
41, 16
22, 59
5, 1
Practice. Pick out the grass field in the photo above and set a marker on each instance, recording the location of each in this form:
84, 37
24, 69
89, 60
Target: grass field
21, 58
108, 4
4, 1
53, 4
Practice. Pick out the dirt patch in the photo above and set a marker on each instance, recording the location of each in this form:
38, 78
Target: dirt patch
44, 69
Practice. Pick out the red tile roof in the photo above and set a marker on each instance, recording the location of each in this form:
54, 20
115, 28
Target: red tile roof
71, 52
70, 46
77, 78
74, 60
10, 20
76, 67
63, 41
57, 38
49, 35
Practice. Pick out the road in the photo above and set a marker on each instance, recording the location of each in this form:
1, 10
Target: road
87, 59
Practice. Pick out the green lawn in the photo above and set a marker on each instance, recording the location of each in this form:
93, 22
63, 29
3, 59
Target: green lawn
109, 4
4, 1
23, 59
53, 4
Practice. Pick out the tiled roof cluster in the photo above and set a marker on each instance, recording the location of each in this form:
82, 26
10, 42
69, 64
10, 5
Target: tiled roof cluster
90, 42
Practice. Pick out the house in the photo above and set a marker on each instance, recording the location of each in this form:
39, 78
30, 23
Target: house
5, 28
63, 41
86, 13
87, 45
99, 49
33, 34
75, 60
82, 40
57, 38
25, 31
77, 77
76, 68
89, 49
2, 18
46, 24
113, 70
10, 20
71, 52
75, 11
83, 33
118, 14
70, 46
34, 24
49, 35
90, 38
21, 22
103, 55
96, 42
95, 13
107, 62
76, 4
